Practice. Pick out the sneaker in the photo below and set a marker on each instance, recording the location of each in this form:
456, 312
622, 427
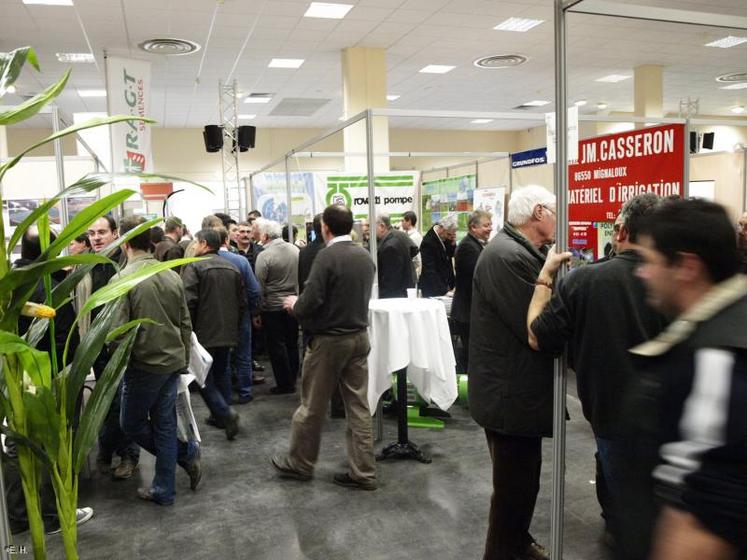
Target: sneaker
245, 400
256, 366
126, 468
81, 516
232, 425
103, 464
148, 495
534, 551
258, 379
194, 470
344, 479
286, 471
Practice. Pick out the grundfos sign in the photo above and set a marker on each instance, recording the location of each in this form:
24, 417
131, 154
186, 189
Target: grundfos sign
128, 93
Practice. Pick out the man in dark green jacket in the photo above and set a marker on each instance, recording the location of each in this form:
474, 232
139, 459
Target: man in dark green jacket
160, 354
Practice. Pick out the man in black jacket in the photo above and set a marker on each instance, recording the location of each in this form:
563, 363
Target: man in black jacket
216, 299
307, 255
600, 310
395, 252
465, 259
695, 392
336, 356
436, 252
510, 385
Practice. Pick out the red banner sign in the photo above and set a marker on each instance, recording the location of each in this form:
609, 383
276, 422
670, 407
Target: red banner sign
613, 169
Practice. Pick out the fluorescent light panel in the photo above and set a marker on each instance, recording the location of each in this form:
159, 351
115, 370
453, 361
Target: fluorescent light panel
48, 2
75, 57
580, 103
250, 99
727, 42
536, 103
286, 63
327, 11
246, 117
436, 69
92, 92
481, 121
739, 109
742, 85
520, 25
613, 78
392, 97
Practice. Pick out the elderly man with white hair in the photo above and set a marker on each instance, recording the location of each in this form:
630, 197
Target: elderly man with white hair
277, 272
436, 252
510, 385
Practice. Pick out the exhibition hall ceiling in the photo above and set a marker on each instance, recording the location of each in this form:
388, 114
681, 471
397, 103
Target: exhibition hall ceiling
239, 39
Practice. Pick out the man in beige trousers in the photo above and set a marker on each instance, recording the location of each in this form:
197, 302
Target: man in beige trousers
334, 309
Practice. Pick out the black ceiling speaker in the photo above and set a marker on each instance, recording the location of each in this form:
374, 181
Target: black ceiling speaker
708, 138
693, 142
213, 136
247, 135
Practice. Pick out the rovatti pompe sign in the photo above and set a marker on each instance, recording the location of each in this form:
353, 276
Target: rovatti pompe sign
128, 93
613, 169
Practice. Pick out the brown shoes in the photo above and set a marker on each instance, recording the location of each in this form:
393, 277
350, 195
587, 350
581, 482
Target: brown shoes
344, 479
280, 463
126, 468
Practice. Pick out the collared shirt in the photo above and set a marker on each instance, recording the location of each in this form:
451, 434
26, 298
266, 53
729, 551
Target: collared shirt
338, 239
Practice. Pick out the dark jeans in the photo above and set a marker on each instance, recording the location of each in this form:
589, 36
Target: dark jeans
217, 389
626, 466
516, 476
149, 417
111, 437
281, 333
242, 357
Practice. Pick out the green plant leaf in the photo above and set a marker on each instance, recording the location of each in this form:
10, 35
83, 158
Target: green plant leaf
12, 344
37, 366
12, 63
88, 350
32, 274
43, 419
117, 288
61, 292
101, 398
31, 107
36, 331
23, 440
91, 123
119, 331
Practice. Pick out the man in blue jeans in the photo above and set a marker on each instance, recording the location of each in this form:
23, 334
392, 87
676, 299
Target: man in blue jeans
242, 354
160, 354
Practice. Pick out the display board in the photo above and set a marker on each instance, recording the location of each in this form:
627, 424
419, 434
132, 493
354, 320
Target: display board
395, 193
452, 195
614, 168
269, 196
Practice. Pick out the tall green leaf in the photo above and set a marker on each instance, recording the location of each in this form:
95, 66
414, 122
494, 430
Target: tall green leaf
101, 398
42, 419
12, 344
91, 123
23, 440
32, 106
36, 366
36, 331
127, 327
11, 64
32, 274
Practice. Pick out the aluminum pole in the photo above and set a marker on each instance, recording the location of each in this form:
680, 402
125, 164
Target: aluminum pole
686, 162
561, 242
60, 164
371, 199
289, 202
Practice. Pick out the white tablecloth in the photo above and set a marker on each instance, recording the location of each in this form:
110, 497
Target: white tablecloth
412, 333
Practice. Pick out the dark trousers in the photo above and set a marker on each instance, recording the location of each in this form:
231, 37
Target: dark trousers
462, 330
281, 334
111, 437
516, 476
149, 417
217, 389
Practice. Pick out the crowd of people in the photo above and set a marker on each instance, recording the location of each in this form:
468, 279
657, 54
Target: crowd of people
654, 332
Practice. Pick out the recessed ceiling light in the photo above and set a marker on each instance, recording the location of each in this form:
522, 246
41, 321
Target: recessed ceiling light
436, 69
286, 63
601, 106
392, 97
49, 2
580, 103
613, 78
75, 57
743, 85
536, 103
481, 121
727, 42
518, 24
10, 89
258, 98
739, 109
342, 118
327, 11
92, 92
247, 117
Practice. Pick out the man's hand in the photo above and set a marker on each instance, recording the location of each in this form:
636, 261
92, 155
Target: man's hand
257, 322
289, 302
552, 264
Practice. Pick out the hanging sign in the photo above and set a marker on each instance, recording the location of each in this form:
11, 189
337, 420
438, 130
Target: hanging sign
395, 193
529, 158
128, 93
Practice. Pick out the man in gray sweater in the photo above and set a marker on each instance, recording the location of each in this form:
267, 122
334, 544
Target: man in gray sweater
334, 310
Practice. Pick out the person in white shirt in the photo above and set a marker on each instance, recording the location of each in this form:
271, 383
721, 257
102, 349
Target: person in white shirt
409, 220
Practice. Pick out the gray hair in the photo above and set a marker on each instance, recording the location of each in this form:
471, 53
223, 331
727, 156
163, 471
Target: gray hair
271, 229
384, 220
635, 210
448, 222
478, 216
522, 202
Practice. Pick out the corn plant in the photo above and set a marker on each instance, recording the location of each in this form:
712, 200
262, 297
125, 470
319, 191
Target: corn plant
38, 393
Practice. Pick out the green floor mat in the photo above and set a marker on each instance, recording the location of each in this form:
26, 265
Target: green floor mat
414, 420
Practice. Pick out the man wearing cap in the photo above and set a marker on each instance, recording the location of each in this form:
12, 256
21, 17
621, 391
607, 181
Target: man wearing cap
169, 249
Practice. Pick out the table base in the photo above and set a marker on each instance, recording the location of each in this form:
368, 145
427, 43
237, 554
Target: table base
407, 450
